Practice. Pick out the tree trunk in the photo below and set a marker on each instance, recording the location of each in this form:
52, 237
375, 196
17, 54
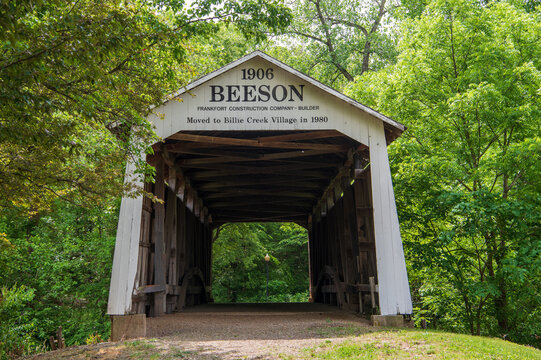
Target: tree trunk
366, 57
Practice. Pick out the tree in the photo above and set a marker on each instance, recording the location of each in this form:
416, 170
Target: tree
77, 79
61, 260
342, 39
238, 267
467, 170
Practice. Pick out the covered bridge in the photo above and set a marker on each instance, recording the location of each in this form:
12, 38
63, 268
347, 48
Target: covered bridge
259, 141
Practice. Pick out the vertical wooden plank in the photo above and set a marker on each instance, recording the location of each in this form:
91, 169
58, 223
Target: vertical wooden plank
181, 244
159, 241
369, 228
394, 294
340, 239
181, 236
126, 250
171, 236
352, 251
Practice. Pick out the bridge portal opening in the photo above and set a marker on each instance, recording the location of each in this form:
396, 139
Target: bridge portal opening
260, 263
216, 181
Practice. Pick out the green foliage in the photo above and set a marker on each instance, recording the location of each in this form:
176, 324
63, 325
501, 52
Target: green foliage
239, 268
209, 53
335, 41
467, 174
16, 326
65, 258
78, 78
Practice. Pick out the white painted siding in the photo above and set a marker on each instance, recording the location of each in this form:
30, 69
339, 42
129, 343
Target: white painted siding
126, 251
394, 294
341, 115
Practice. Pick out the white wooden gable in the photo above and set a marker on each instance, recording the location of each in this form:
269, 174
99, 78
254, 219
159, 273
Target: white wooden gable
246, 88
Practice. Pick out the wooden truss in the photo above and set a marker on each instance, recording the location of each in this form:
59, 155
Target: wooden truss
317, 179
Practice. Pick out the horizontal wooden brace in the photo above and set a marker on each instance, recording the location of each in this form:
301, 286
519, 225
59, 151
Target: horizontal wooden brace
240, 192
214, 140
355, 288
307, 174
262, 218
243, 170
281, 169
147, 289
318, 134
242, 182
253, 157
267, 201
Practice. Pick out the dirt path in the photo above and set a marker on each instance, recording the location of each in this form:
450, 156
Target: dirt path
255, 331
241, 331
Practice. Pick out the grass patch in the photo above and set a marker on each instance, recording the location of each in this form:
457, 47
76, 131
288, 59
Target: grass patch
342, 330
142, 349
181, 354
420, 344
140, 344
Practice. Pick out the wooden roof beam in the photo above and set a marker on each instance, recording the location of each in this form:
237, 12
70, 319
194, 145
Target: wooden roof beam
255, 157
258, 201
306, 174
213, 140
261, 211
249, 218
243, 169
236, 183
240, 193
318, 134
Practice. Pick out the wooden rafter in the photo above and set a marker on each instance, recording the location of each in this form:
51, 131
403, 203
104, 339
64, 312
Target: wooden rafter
243, 192
263, 211
242, 169
214, 140
307, 174
230, 183
251, 217
258, 201
216, 158
319, 134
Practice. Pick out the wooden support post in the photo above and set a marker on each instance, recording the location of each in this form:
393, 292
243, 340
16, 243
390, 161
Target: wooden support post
372, 293
158, 235
171, 234
359, 293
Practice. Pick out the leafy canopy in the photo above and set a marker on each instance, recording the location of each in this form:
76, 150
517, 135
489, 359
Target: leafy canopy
335, 41
77, 79
467, 175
